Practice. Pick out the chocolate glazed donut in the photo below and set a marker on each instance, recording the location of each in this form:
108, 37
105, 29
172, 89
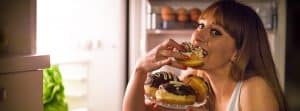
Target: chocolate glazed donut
199, 85
178, 88
154, 80
176, 92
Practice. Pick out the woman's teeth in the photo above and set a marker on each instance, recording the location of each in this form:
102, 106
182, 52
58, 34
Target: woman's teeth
204, 52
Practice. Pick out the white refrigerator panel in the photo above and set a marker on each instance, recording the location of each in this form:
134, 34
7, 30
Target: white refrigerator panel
90, 33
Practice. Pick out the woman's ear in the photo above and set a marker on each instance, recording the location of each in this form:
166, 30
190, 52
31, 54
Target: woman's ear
234, 57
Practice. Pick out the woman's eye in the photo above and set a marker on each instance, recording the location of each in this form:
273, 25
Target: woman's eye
201, 26
215, 32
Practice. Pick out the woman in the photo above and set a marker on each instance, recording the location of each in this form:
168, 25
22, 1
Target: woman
239, 64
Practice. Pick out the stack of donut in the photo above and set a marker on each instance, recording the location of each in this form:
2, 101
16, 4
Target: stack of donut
165, 87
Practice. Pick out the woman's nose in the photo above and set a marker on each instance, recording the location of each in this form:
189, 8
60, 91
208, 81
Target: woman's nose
199, 37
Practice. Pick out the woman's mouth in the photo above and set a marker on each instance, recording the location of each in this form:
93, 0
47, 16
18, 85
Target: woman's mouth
204, 52
201, 52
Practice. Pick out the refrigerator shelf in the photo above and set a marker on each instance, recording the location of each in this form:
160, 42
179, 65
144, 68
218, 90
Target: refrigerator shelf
170, 32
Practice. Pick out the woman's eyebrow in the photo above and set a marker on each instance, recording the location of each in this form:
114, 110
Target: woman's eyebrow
217, 26
214, 24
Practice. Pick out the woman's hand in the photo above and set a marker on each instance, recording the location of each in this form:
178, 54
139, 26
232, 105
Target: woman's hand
193, 72
155, 107
161, 55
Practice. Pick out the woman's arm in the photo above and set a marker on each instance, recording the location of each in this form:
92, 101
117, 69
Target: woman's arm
134, 95
161, 55
256, 95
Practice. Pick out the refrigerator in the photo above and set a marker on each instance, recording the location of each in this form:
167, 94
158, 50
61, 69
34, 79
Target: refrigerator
145, 33
87, 39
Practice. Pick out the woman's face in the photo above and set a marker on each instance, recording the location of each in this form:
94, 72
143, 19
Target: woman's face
216, 41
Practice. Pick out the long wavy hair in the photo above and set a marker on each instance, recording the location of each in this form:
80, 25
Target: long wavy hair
254, 54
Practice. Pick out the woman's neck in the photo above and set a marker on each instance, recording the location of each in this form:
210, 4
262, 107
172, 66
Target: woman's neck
221, 82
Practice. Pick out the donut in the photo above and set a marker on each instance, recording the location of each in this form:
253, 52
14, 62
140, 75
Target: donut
154, 80
195, 54
175, 92
200, 87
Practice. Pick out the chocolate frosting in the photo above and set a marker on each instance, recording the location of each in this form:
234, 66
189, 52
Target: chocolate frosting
158, 78
178, 88
189, 47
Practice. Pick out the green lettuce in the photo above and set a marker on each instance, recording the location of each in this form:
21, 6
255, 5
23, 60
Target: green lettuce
53, 90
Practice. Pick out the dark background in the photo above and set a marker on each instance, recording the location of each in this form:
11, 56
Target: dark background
292, 78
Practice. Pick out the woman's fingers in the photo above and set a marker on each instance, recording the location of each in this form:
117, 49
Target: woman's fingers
178, 65
170, 53
170, 44
163, 54
189, 109
156, 107
161, 63
188, 73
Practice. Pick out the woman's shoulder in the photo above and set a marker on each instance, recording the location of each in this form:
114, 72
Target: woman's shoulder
257, 95
254, 81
